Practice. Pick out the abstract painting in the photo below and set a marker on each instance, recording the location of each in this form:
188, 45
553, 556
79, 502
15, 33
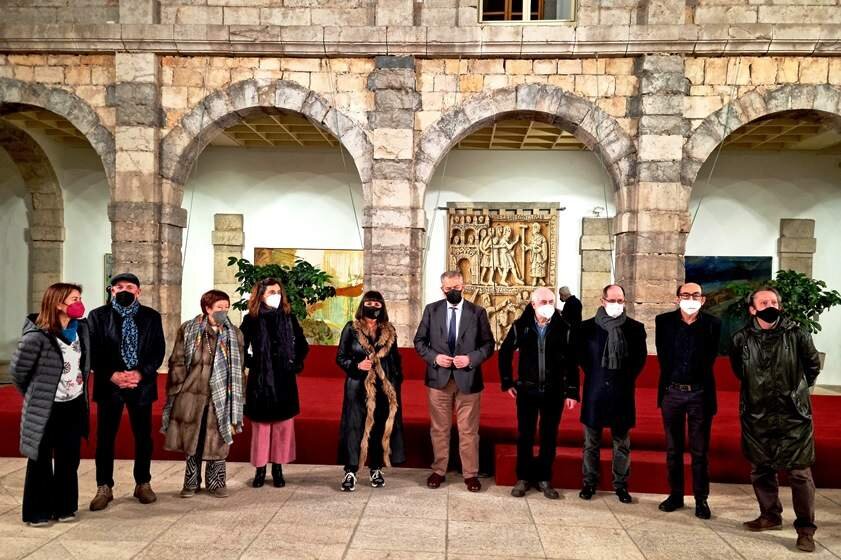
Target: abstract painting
723, 279
325, 319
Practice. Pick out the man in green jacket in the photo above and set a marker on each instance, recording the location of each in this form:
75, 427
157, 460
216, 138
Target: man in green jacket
776, 361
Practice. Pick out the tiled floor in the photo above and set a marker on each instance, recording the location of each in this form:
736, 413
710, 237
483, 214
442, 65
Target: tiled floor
310, 518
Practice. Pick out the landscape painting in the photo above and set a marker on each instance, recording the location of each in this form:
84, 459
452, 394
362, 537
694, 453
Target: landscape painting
725, 280
325, 319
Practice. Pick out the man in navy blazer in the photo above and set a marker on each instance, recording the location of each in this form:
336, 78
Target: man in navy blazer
454, 338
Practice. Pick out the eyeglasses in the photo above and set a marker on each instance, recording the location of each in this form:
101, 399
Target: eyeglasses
451, 288
614, 300
697, 296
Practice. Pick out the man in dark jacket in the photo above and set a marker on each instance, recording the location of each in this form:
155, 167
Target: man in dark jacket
454, 338
127, 347
547, 379
611, 351
571, 313
776, 361
687, 345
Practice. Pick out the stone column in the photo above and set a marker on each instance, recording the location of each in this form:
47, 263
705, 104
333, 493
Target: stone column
797, 245
652, 219
394, 218
45, 260
596, 258
146, 230
228, 241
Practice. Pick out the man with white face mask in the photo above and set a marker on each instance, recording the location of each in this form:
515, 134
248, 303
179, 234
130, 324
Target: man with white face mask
687, 345
547, 380
611, 351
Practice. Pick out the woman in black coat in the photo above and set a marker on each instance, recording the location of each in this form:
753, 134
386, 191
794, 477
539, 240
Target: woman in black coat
275, 349
50, 368
372, 422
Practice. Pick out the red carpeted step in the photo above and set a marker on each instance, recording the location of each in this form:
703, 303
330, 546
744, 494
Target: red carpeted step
648, 469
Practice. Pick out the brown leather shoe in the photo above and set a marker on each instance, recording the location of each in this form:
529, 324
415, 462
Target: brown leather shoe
762, 524
434, 480
144, 494
805, 542
103, 497
473, 484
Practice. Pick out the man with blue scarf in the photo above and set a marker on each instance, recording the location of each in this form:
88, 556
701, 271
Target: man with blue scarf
127, 347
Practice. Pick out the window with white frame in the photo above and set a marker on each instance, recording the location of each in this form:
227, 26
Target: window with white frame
527, 10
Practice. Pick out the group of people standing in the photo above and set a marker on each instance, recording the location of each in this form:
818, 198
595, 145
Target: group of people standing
209, 393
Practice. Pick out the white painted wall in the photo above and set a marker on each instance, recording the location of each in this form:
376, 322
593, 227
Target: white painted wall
87, 231
740, 212
295, 199
13, 254
575, 180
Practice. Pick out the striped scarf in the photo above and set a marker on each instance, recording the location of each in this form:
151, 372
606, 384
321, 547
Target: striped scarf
226, 391
129, 339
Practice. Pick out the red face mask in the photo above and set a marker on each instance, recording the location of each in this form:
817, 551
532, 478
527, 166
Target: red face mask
76, 310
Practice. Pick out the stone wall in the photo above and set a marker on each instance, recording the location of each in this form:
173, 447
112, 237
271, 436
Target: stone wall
269, 12
61, 11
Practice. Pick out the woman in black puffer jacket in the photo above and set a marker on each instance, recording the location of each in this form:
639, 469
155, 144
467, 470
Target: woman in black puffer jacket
50, 368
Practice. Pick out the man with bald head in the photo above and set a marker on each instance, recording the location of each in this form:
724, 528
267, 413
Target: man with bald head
687, 345
547, 380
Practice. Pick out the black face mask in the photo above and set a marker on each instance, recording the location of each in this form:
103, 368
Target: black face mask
124, 298
372, 312
769, 314
454, 297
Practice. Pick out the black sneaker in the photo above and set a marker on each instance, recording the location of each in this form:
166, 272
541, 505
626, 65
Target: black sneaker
377, 479
349, 482
587, 492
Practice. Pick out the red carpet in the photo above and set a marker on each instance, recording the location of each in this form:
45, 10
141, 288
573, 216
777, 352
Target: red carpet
321, 386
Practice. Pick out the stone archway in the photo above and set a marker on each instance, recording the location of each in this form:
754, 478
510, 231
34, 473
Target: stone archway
600, 132
181, 147
45, 210
14, 93
754, 104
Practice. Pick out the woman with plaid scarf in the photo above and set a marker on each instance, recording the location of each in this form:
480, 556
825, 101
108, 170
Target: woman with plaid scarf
205, 394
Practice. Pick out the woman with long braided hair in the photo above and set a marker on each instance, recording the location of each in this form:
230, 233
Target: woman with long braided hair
372, 422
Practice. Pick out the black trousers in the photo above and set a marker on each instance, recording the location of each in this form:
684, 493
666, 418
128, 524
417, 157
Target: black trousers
532, 404
51, 487
110, 413
767, 490
376, 453
679, 409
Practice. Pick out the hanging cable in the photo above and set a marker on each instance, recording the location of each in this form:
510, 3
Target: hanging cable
724, 135
331, 79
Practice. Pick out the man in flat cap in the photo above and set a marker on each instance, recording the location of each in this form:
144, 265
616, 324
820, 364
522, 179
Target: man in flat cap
127, 347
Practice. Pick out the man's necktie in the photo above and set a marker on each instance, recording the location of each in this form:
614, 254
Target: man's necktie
451, 335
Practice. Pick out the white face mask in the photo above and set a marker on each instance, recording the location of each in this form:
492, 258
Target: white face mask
690, 306
614, 309
546, 311
273, 301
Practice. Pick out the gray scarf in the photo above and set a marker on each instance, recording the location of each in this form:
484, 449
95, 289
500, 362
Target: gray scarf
615, 351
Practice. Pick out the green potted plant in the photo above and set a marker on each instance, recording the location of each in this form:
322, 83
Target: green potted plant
305, 284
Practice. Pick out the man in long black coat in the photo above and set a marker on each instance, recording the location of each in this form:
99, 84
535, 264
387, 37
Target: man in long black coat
571, 313
611, 351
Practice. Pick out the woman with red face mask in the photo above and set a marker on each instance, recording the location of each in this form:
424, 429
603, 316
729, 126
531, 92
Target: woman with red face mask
50, 368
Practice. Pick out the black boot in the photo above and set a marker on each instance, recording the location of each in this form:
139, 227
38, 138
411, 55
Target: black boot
259, 477
277, 476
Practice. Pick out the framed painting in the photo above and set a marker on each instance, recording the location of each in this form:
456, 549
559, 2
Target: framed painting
325, 319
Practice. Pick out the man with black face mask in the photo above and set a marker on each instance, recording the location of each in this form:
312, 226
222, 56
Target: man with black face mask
127, 347
776, 361
454, 338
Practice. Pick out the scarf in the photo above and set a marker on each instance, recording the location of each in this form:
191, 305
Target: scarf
226, 390
130, 339
380, 349
69, 333
615, 351
275, 328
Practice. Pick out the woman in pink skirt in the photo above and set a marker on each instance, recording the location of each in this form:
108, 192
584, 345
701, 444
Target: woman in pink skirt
275, 347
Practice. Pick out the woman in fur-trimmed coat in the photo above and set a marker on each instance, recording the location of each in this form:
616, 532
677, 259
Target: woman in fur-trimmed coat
372, 422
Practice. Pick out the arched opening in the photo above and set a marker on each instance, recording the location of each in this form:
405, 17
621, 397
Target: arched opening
295, 170
778, 165
54, 206
526, 149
